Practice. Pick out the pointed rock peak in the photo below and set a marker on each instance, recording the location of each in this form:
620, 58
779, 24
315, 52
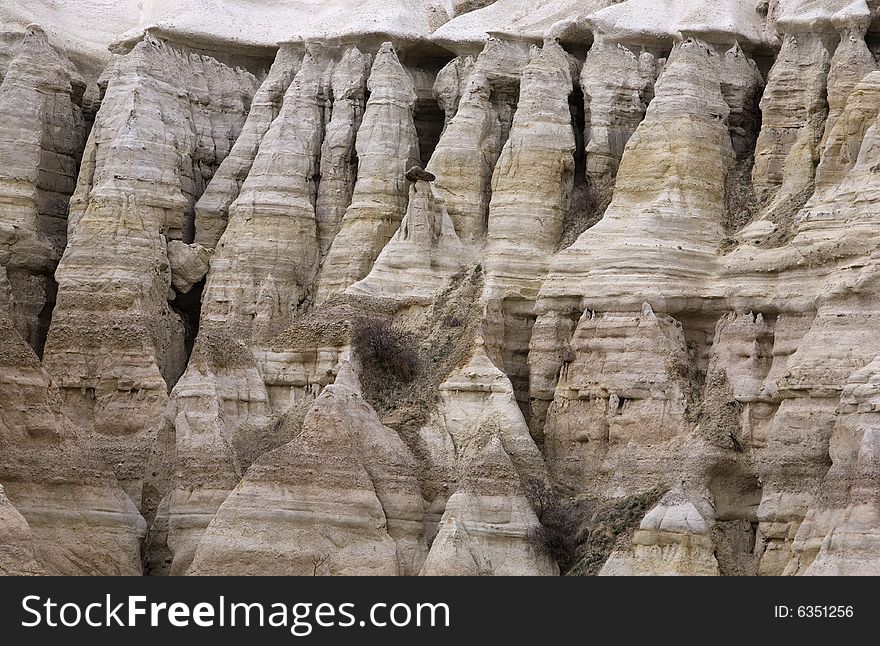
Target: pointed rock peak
35, 32
736, 51
480, 374
388, 76
648, 312
347, 382
491, 471
348, 77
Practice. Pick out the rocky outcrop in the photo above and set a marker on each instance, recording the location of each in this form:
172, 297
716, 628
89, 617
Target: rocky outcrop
340, 502
488, 526
212, 209
793, 110
617, 87
647, 209
634, 286
539, 154
17, 557
672, 539
264, 265
61, 509
41, 142
423, 254
339, 161
387, 147
481, 114
117, 347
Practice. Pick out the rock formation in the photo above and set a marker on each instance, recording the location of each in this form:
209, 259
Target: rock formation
402, 288
387, 147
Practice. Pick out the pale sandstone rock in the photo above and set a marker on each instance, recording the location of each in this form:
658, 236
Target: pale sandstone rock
116, 346
483, 114
655, 355
617, 87
338, 157
212, 209
341, 498
521, 20
423, 254
188, 263
221, 390
539, 154
487, 528
264, 265
620, 391
387, 147
647, 221
41, 141
451, 85
741, 85
793, 112
852, 61
844, 140
77, 519
839, 536
673, 539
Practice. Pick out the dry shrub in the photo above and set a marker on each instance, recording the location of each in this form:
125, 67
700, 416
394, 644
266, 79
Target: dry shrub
381, 346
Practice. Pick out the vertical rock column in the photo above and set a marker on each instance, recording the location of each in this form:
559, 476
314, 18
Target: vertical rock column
116, 346
41, 139
339, 162
387, 147
794, 108
533, 179
617, 86
264, 265
474, 135
212, 209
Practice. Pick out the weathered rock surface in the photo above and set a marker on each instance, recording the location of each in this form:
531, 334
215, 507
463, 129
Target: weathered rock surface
41, 142
116, 347
640, 264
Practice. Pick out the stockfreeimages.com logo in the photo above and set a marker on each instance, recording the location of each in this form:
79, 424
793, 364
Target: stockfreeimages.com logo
300, 618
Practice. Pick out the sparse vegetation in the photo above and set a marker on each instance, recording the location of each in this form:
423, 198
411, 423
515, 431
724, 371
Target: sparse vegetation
388, 349
580, 533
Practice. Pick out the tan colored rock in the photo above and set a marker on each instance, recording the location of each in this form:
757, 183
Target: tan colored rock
264, 265
673, 539
421, 257
482, 114
844, 140
188, 263
70, 515
617, 87
621, 391
221, 391
839, 536
852, 61
387, 147
17, 557
212, 209
116, 347
489, 527
451, 85
339, 163
539, 154
41, 140
649, 243
741, 85
341, 498
793, 111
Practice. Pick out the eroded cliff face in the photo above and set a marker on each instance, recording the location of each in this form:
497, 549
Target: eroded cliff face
414, 291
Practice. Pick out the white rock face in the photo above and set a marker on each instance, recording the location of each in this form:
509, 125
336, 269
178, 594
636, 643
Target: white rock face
247, 333
387, 147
